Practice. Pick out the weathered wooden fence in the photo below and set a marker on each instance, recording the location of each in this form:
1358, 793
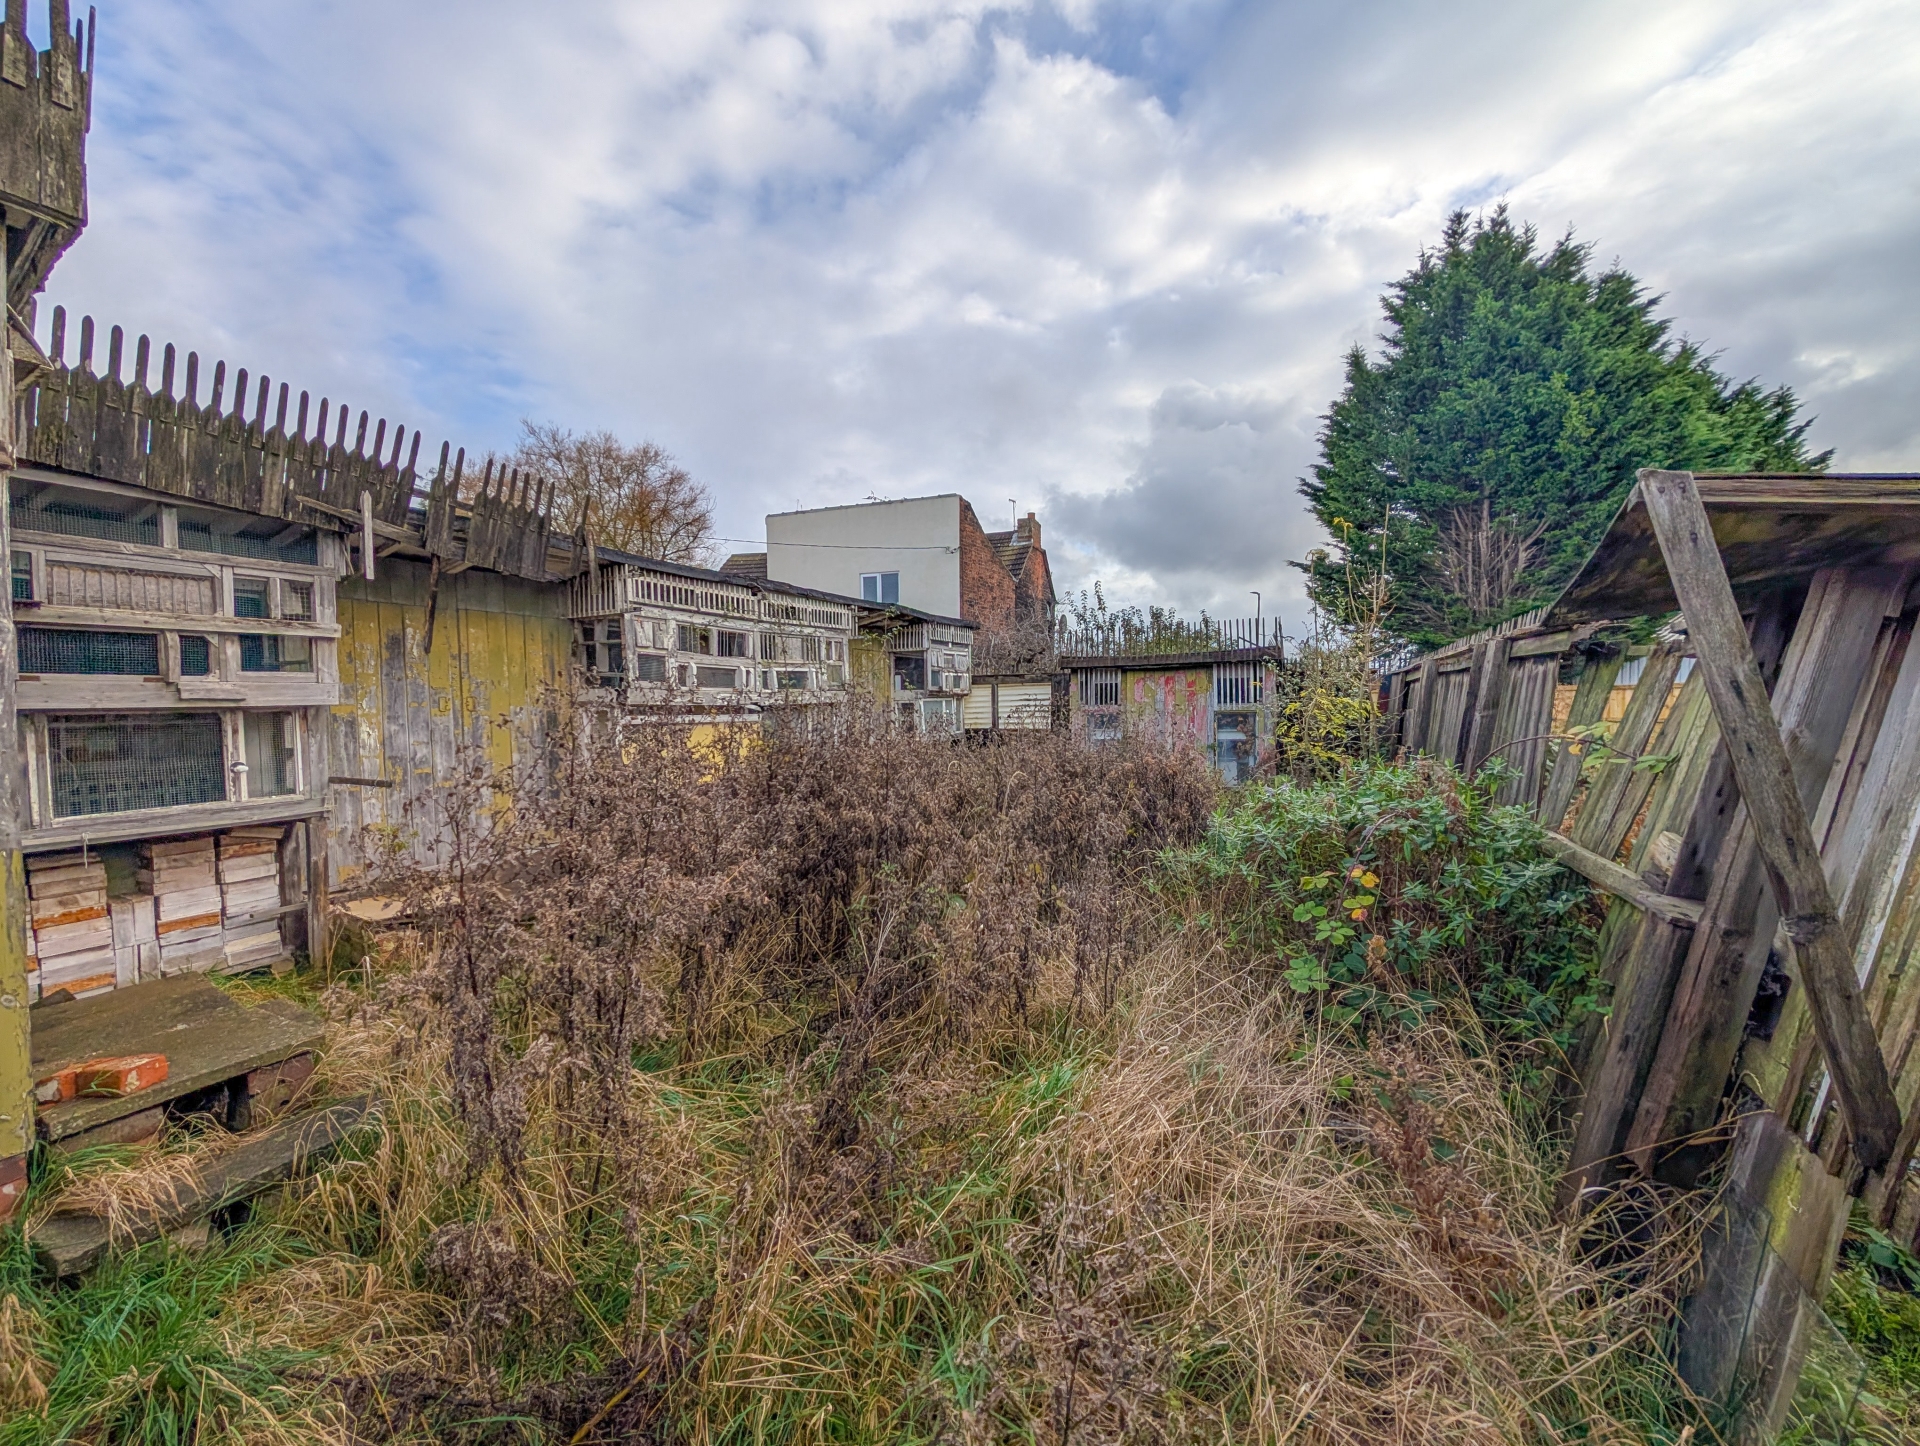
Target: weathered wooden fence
1764, 863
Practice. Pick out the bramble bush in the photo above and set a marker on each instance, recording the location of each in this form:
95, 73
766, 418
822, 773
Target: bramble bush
1383, 888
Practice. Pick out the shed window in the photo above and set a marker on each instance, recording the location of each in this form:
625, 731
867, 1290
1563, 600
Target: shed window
719, 677
880, 587
23, 577
649, 668
237, 536
272, 740
909, 673
76, 650
695, 640
271, 653
121, 762
296, 600
1100, 688
196, 657
794, 678
75, 512
250, 597
731, 645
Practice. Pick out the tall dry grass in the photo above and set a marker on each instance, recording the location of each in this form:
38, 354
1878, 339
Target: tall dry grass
847, 1086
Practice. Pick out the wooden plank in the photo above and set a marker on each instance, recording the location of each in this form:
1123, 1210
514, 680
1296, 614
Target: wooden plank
206, 1034
1589, 703
1821, 678
1782, 833
1416, 735
1645, 974
1490, 681
1620, 882
1640, 1004
1665, 743
66, 1245
1615, 763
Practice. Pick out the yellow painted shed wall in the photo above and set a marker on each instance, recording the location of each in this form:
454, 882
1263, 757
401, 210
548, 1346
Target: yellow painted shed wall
492, 686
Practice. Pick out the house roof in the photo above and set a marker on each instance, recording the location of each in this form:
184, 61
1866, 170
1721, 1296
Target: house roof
1770, 529
746, 564
1169, 662
1012, 550
865, 612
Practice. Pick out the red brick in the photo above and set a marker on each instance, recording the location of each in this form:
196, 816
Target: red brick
13, 1185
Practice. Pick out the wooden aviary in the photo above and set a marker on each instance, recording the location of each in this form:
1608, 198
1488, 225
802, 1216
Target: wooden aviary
146, 421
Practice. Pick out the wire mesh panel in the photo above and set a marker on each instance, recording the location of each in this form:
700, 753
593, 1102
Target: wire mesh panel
269, 541
119, 762
77, 650
250, 597
73, 513
271, 653
196, 657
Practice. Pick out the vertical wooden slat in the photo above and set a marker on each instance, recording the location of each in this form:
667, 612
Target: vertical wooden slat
1416, 736
1589, 704
1615, 767
1772, 794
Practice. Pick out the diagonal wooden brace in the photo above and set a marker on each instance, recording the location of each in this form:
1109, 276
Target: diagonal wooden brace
1781, 830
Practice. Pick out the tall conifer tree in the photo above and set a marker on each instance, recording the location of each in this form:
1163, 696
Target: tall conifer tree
1515, 397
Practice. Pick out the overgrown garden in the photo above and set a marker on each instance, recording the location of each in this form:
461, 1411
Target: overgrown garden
838, 1084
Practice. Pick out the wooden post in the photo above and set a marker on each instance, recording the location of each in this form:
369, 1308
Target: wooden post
16, 1066
317, 941
1781, 830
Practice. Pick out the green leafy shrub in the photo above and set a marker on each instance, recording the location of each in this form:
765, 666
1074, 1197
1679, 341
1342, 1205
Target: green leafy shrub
1384, 888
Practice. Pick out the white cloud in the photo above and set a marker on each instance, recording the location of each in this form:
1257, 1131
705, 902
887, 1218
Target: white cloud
1104, 257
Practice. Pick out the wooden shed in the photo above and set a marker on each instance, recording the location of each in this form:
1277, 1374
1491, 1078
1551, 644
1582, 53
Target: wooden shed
1755, 815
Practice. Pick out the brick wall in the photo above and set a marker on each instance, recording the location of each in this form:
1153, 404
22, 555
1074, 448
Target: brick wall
1033, 594
986, 588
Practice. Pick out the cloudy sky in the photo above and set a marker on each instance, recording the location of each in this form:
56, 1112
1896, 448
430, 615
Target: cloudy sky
1102, 259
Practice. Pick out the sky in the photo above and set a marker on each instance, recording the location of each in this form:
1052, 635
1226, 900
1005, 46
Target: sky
1100, 261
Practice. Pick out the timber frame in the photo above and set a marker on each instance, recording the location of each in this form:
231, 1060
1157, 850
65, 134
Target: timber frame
1750, 812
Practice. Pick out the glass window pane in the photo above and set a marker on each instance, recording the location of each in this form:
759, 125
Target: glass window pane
271, 653
889, 587
271, 740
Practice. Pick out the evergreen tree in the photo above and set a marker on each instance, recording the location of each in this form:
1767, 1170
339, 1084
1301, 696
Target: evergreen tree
1499, 432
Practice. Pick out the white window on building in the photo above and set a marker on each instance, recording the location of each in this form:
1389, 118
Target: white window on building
1100, 688
939, 715
880, 587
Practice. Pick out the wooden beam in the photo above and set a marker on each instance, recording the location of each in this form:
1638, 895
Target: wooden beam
65, 1245
1820, 680
1781, 829
1621, 882
381, 527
